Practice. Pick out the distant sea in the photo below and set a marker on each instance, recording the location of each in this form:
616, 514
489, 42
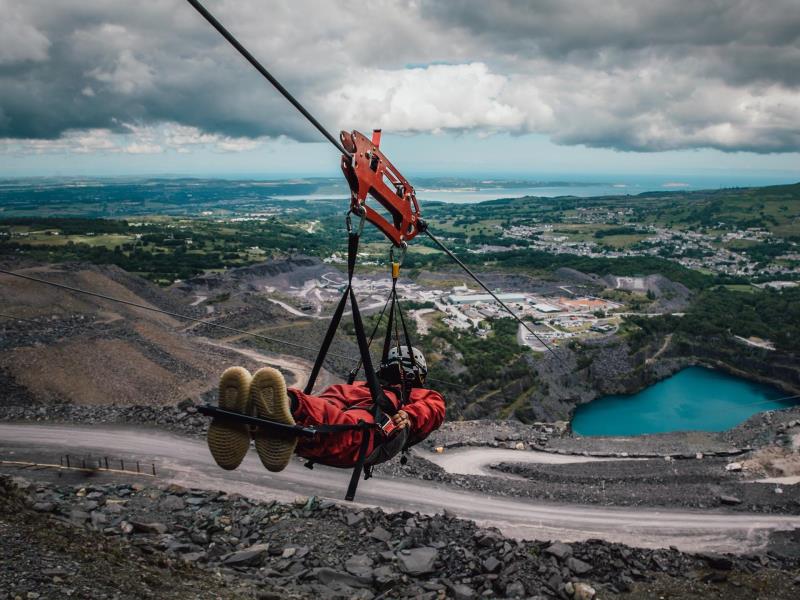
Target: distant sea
465, 191
462, 189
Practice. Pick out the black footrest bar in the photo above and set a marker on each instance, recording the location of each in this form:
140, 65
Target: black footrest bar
274, 426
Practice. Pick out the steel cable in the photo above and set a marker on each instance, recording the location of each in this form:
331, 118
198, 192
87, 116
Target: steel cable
260, 68
469, 272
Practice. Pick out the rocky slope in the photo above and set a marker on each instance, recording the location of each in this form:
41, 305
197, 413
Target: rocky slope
171, 538
62, 347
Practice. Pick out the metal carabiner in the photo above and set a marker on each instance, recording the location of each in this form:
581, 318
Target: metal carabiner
349, 221
403, 247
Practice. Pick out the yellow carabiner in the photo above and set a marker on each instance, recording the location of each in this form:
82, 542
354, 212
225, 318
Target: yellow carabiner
395, 270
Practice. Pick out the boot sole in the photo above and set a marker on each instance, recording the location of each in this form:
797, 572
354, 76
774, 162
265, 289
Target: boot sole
269, 399
227, 441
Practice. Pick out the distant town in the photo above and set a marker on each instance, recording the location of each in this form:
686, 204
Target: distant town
696, 250
552, 318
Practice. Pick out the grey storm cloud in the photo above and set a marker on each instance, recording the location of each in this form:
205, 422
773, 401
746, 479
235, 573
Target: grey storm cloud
106, 64
643, 76
738, 40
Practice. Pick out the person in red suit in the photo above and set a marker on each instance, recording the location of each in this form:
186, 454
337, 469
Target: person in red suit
418, 412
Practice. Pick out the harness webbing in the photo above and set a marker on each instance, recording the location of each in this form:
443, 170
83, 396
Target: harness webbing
380, 403
387, 342
395, 315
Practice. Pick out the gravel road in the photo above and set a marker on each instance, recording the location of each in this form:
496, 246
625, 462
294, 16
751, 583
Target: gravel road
186, 462
477, 461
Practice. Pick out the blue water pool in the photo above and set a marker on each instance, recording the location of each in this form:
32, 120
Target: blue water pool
695, 398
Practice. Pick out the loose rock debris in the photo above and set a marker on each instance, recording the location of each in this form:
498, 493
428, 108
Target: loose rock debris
132, 540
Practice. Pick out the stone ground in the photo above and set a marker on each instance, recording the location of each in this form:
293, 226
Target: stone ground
687, 483
695, 484
110, 538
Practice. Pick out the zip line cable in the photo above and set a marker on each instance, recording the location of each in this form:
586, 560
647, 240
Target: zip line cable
165, 312
180, 316
491, 293
5, 316
260, 68
296, 103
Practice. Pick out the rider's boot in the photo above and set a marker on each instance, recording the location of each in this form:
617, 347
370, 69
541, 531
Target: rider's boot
269, 399
229, 441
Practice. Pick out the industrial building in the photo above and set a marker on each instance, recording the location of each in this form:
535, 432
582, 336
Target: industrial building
476, 298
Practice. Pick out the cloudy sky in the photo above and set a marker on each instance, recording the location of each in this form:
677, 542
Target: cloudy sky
547, 86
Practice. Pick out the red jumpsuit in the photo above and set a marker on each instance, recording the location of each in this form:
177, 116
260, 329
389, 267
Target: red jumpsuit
347, 404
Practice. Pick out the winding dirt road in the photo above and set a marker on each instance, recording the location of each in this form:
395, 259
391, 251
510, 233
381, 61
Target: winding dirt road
186, 461
477, 461
299, 368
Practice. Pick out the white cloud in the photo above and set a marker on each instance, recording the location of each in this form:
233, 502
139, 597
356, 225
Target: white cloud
183, 138
236, 144
179, 136
629, 76
435, 98
128, 74
84, 141
139, 139
144, 149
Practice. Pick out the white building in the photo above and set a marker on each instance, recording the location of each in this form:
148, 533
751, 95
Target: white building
546, 308
475, 298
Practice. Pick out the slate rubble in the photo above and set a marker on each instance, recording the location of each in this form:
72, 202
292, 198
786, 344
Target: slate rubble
182, 418
308, 549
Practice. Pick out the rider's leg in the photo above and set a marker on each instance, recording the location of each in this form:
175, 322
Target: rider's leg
339, 449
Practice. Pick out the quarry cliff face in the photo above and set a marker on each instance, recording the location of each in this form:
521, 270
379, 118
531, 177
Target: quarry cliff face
250, 277
550, 389
611, 368
772, 367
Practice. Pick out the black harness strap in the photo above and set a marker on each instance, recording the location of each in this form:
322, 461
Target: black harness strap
409, 343
351, 377
378, 397
352, 253
326, 343
380, 403
387, 342
396, 311
359, 466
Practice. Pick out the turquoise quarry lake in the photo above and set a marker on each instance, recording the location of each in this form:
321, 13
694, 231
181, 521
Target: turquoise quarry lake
695, 398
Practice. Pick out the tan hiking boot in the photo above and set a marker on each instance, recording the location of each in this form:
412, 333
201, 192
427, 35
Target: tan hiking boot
230, 441
269, 400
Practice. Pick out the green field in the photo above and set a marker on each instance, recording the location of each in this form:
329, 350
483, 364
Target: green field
173, 236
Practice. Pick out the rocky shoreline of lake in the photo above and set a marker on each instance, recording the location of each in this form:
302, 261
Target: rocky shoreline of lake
159, 539
761, 429
605, 366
